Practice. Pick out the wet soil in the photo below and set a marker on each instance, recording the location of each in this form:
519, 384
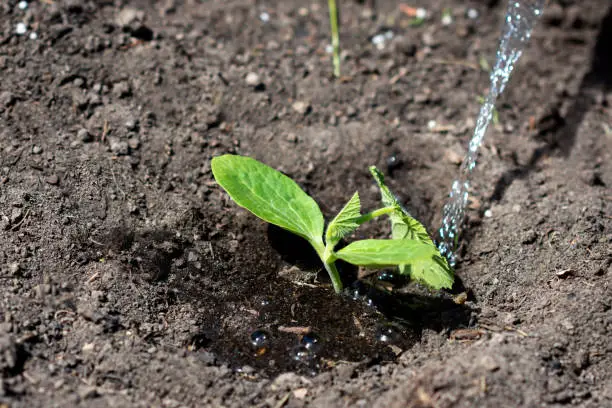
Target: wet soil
128, 278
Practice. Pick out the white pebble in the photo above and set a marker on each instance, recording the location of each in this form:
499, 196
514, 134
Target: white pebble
252, 79
265, 17
329, 48
22, 5
472, 13
488, 213
33, 35
377, 39
421, 13
432, 124
21, 28
447, 20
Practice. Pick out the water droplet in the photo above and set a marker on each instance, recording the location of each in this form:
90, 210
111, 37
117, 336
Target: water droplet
393, 162
302, 354
260, 339
311, 342
388, 334
357, 290
387, 276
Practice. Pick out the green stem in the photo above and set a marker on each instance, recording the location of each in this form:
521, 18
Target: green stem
376, 213
333, 21
334, 275
326, 251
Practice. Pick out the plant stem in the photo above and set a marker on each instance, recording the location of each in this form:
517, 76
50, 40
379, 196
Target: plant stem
333, 21
376, 213
334, 275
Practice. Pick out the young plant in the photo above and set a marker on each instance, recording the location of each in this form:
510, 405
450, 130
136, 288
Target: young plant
277, 199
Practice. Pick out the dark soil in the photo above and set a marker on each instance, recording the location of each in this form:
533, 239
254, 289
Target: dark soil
128, 278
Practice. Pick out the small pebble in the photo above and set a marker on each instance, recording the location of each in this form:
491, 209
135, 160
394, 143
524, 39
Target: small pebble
265, 17
37, 149
33, 35
52, 179
301, 107
488, 213
133, 143
119, 147
21, 29
131, 124
84, 136
22, 5
472, 14
14, 268
252, 79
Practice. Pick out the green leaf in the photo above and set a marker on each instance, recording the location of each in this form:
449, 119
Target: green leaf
423, 261
434, 271
270, 195
403, 226
345, 222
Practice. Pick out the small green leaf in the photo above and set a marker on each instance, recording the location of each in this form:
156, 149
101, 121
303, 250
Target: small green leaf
345, 222
270, 195
403, 226
422, 260
433, 271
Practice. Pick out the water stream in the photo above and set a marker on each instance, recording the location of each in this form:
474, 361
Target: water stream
520, 18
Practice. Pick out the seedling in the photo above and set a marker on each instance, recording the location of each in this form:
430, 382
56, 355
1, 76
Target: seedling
335, 37
277, 199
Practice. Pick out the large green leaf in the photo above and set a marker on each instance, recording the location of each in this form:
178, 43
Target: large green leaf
270, 195
422, 260
345, 222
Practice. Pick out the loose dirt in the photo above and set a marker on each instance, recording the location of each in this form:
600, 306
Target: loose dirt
129, 279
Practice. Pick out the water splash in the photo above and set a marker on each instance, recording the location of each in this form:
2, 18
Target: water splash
520, 19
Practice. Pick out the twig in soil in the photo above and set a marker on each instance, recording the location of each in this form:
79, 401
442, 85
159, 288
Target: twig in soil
93, 277
212, 252
222, 78
117, 184
518, 331
483, 385
95, 242
564, 273
105, 130
294, 330
425, 398
22, 220
28, 377
283, 401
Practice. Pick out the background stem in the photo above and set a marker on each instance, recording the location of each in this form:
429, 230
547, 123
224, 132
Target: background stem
333, 21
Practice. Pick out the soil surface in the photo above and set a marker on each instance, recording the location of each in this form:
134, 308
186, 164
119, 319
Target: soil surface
128, 278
